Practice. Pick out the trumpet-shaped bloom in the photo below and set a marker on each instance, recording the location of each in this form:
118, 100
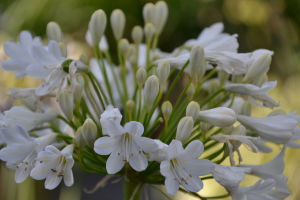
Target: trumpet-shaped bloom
56, 165
183, 166
277, 129
160, 154
255, 93
22, 150
221, 116
110, 113
125, 145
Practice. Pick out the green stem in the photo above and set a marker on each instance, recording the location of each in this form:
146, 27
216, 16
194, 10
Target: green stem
140, 104
70, 123
97, 91
232, 100
221, 100
155, 42
131, 188
211, 97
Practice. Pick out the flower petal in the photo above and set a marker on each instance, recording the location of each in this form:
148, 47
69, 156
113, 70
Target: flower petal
146, 144
198, 167
42, 56
114, 128
174, 149
165, 168
194, 184
15, 153
53, 48
106, 145
41, 171
52, 181
37, 70
138, 162
22, 132
22, 173
134, 128
68, 177
193, 150
13, 138
114, 163
171, 185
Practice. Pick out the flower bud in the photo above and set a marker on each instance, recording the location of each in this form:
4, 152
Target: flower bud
223, 77
149, 31
97, 26
193, 110
201, 72
239, 130
133, 61
237, 78
66, 103
167, 109
155, 56
260, 80
260, 65
161, 15
184, 129
151, 90
137, 35
79, 88
117, 20
54, 32
220, 116
149, 13
246, 109
213, 87
204, 127
227, 130
79, 140
130, 105
163, 72
84, 58
89, 132
191, 91
276, 112
196, 59
123, 46
141, 76
131, 50
63, 49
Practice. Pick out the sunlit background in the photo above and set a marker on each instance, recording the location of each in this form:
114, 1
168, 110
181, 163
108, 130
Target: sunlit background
270, 24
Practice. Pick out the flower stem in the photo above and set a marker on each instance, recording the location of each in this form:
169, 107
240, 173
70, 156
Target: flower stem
132, 190
140, 104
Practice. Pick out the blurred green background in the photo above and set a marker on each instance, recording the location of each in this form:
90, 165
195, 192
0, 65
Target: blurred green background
270, 24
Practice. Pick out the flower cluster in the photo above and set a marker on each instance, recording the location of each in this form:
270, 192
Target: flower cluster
118, 118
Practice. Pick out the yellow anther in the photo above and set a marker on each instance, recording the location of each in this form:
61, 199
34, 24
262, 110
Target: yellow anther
190, 175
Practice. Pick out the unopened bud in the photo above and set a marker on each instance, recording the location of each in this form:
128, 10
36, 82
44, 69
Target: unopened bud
201, 72
227, 130
196, 59
204, 127
190, 92
84, 58
151, 90
193, 110
167, 109
277, 112
133, 61
79, 140
131, 50
163, 72
220, 116
213, 87
97, 26
63, 49
155, 56
123, 46
239, 130
137, 35
54, 32
161, 15
149, 31
260, 80
80, 67
89, 132
79, 88
149, 13
223, 77
246, 109
141, 76
66, 103
117, 20
237, 78
130, 105
184, 129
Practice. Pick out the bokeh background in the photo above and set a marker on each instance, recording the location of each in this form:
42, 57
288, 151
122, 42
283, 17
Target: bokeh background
270, 24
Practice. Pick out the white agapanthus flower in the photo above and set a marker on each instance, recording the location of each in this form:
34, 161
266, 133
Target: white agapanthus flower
220, 116
2, 123
20, 54
56, 165
278, 129
110, 113
22, 150
255, 93
160, 154
236, 106
125, 145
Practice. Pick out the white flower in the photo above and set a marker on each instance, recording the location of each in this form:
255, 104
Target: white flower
212, 39
183, 166
22, 150
255, 93
125, 145
21, 55
55, 166
110, 113
26, 118
277, 129
220, 116
160, 154
184, 129
236, 106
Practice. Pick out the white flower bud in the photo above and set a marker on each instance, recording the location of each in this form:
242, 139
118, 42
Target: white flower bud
193, 110
79, 140
133, 61
204, 127
141, 76
163, 72
239, 130
213, 87
184, 129
161, 15
151, 90
227, 130
201, 72
123, 46
54, 32
155, 56
246, 109
66, 103
277, 112
79, 88
191, 91
260, 65
137, 35
196, 59
89, 132
149, 13
130, 105
220, 116
260, 80
97, 26
84, 58
223, 77
131, 50
237, 78
167, 109
63, 49
117, 20
149, 31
